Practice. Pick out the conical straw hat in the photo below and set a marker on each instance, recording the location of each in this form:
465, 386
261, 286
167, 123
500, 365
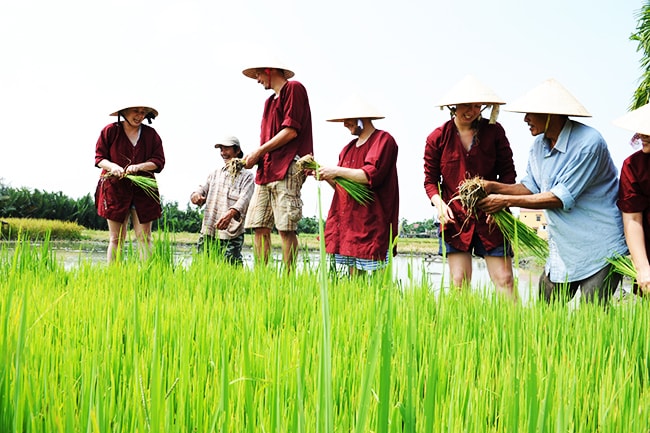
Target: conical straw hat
550, 97
470, 90
355, 108
636, 121
267, 61
148, 107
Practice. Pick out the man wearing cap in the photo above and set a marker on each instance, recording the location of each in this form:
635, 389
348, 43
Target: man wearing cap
634, 194
360, 236
226, 195
286, 135
463, 147
128, 147
571, 175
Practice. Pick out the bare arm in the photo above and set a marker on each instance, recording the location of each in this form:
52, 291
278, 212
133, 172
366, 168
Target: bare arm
354, 174
280, 139
517, 195
634, 236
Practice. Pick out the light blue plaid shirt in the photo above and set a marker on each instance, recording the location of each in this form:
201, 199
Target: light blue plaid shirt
580, 172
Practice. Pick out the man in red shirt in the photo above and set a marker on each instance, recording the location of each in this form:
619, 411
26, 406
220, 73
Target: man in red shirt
286, 135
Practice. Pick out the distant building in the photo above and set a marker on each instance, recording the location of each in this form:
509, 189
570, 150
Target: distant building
536, 220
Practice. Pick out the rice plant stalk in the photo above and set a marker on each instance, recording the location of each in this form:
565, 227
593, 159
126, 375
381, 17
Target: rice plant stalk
358, 191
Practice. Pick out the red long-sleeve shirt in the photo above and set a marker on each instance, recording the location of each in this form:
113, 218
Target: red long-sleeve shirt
364, 231
447, 163
114, 197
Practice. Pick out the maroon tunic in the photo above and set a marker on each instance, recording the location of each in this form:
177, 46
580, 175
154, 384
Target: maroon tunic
289, 110
634, 190
446, 162
114, 197
364, 231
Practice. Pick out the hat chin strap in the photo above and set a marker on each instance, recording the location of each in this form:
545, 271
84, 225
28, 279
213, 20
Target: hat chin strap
548, 120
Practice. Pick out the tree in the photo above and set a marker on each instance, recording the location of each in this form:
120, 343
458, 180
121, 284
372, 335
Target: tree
642, 36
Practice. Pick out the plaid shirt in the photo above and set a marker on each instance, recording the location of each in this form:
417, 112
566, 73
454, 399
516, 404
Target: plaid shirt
223, 193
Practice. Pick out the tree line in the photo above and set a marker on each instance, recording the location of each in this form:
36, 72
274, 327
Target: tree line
34, 203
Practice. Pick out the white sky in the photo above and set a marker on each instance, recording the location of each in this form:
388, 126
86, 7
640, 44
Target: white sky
65, 65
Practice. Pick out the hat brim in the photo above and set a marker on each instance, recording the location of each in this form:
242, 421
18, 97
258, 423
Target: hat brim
151, 110
252, 72
637, 121
343, 119
470, 90
550, 97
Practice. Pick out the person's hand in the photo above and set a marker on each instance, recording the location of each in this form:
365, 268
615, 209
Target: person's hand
197, 199
116, 170
445, 213
224, 221
133, 169
643, 280
492, 203
252, 159
327, 173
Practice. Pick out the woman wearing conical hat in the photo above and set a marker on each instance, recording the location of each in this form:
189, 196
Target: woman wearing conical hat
128, 147
359, 236
634, 194
463, 147
571, 175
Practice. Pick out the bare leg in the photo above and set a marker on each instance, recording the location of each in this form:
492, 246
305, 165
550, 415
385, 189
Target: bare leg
262, 244
460, 268
116, 236
289, 248
142, 235
500, 270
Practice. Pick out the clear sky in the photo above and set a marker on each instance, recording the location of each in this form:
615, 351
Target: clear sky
67, 64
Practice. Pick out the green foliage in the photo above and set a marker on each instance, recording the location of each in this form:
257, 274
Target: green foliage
642, 37
308, 225
419, 229
175, 220
36, 204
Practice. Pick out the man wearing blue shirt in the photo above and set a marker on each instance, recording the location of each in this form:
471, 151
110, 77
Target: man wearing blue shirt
571, 175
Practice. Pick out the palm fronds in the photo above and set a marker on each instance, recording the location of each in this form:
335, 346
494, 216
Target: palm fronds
516, 232
358, 191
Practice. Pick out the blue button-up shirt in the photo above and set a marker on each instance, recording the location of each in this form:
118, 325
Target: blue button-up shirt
580, 172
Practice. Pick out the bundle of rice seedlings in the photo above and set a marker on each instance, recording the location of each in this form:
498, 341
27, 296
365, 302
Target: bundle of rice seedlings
148, 184
358, 191
518, 234
235, 166
623, 265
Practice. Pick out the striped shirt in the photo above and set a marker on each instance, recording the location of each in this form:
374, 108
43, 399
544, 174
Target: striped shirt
223, 193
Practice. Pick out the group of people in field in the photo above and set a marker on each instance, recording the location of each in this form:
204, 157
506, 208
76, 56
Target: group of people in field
592, 214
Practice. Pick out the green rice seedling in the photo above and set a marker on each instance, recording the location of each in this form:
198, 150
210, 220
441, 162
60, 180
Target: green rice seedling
148, 184
622, 265
360, 192
200, 347
518, 234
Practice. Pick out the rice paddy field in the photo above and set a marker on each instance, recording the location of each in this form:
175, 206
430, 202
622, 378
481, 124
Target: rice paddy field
150, 346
